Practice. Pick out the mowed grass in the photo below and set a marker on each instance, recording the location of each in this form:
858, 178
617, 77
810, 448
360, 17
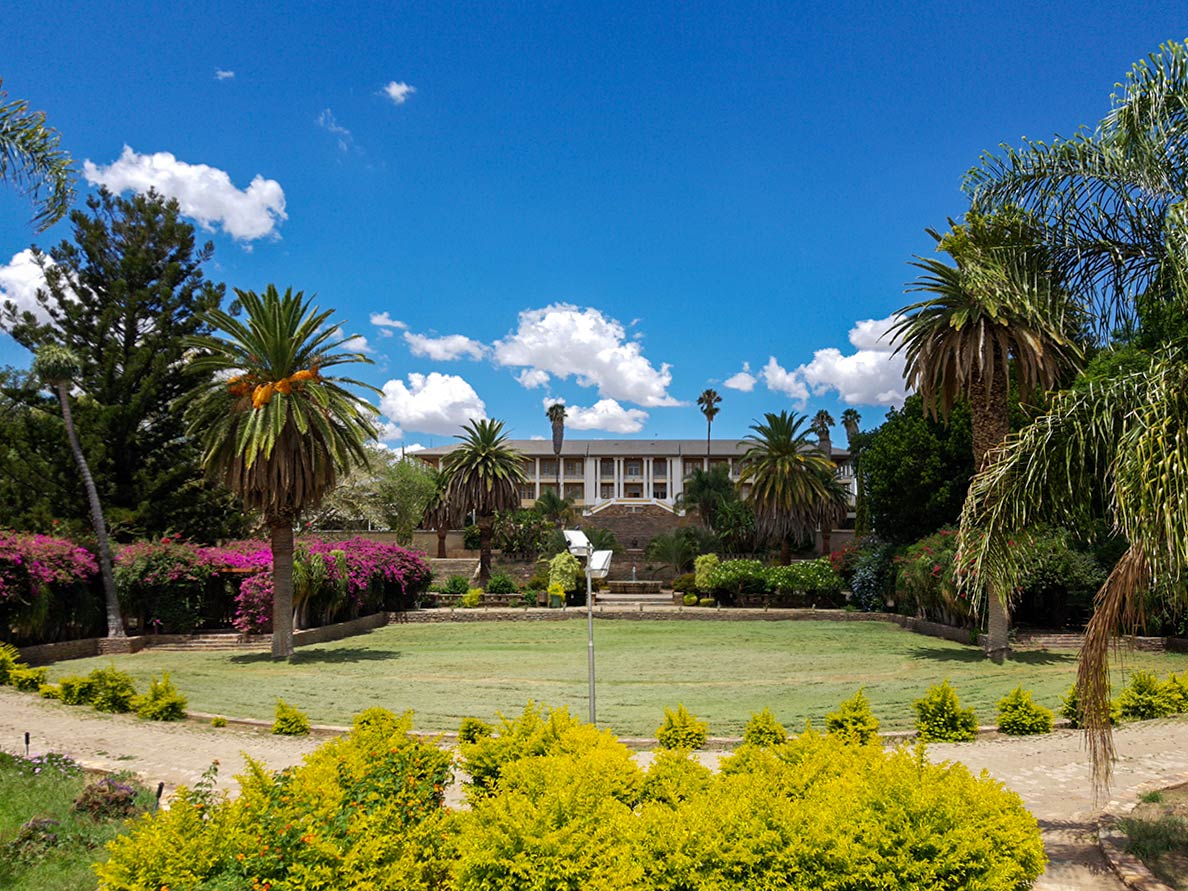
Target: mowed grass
722, 671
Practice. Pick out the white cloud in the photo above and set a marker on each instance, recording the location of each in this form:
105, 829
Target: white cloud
223, 74
872, 375
327, 122
536, 437
356, 344
204, 193
531, 378
433, 403
743, 380
444, 349
605, 414
19, 282
398, 92
562, 340
383, 320
780, 380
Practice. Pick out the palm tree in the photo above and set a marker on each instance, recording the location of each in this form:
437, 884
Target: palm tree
56, 366
822, 422
485, 474
274, 426
554, 508
556, 416
1111, 201
440, 513
30, 157
707, 492
793, 486
708, 402
850, 420
996, 307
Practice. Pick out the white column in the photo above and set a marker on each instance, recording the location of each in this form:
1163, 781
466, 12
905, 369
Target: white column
536, 463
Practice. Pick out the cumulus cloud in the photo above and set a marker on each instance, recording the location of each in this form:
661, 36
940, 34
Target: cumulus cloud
531, 378
871, 375
386, 323
561, 340
605, 414
742, 380
20, 281
356, 344
398, 91
224, 74
204, 193
329, 123
444, 349
431, 403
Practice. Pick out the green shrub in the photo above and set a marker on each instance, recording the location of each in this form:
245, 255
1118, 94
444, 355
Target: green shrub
854, 722
703, 567
456, 585
109, 798
1019, 715
162, 702
872, 583
566, 571
940, 718
501, 583
1175, 688
812, 580
472, 537
27, 680
924, 582
50, 691
1146, 697
10, 658
681, 730
691, 599
290, 721
707, 601
735, 577
764, 730
112, 690
473, 729
684, 583
76, 689
674, 776
472, 598
1070, 709
218, 721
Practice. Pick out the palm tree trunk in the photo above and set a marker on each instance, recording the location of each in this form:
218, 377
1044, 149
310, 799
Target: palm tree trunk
708, 427
282, 590
115, 623
991, 422
486, 524
785, 550
442, 532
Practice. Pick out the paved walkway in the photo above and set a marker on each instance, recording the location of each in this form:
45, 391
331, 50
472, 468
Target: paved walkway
1051, 772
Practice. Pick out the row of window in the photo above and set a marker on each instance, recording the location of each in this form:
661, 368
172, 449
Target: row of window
633, 468
577, 491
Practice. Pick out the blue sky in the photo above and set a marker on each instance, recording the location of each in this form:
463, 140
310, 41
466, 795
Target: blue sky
611, 205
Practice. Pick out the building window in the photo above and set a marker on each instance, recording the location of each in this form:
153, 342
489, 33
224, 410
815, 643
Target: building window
607, 466
527, 492
576, 491
548, 467
574, 468
633, 469
633, 490
607, 491
659, 469
660, 492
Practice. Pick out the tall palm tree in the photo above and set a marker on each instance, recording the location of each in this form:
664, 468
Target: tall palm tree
1112, 201
850, 420
707, 492
274, 426
998, 306
32, 159
556, 416
708, 403
822, 424
57, 367
793, 486
440, 513
485, 474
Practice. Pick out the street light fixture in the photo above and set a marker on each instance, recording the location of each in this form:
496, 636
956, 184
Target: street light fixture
597, 567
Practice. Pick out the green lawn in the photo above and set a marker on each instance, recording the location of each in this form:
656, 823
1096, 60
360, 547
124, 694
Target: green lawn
723, 671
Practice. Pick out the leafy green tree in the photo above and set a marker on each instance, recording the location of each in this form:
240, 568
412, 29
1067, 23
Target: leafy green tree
485, 474
522, 533
1001, 306
916, 471
57, 367
122, 296
276, 428
708, 403
389, 493
554, 508
708, 492
1113, 202
32, 159
793, 488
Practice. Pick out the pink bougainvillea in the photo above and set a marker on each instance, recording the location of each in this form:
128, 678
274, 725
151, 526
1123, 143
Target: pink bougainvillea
28, 562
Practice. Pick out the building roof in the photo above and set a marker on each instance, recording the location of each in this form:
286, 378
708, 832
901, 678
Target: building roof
617, 448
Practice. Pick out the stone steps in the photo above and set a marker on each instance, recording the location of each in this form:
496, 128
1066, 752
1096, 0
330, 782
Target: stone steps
609, 598
443, 568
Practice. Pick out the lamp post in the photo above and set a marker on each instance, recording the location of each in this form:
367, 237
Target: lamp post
597, 566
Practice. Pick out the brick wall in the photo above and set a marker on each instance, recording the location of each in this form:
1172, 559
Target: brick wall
43, 654
637, 523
